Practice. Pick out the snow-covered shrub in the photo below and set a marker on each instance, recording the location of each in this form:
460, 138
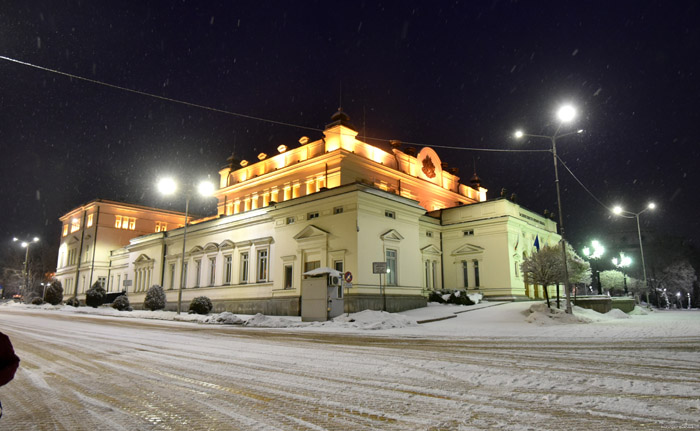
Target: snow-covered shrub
459, 297
95, 295
37, 301
121, 303
155, 298
201, 305
436, 296
73, 302
54, 293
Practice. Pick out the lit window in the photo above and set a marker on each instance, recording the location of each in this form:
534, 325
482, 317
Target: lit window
132, 223
122, 222
161, 226
89, 220
262, 265
65, 229
391, 267
75, 225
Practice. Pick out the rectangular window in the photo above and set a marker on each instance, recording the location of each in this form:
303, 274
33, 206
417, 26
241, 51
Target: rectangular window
262, 265
212, 271
119, 282
89, 220
391, 266
122, 222
389, 214
338, 265
309, 216
470, 233
172, 276
87, 253
477, 282
184, 276
227, 269
132, 223
161, 226
290, 220
75, 225
65, 230
118, 222
427, 275
435, 274
517, 269
337, 210
308, 266
429, 234
244, 267
198, 272
465, 273
102, 281
288, 273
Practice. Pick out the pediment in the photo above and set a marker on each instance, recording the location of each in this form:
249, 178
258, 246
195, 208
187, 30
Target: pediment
391, 235
196, 249
310, 232
143, 258
210, 247
430, 249
226, 244
468, 249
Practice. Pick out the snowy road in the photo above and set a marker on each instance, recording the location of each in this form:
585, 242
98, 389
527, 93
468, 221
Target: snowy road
103, 373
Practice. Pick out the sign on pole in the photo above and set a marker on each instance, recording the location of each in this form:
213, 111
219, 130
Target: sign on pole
378, 267
347, 277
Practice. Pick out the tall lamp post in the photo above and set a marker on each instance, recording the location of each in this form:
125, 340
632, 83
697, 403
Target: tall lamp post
565, 114
617, 210
594, 253
26, 245
623, 262
168, 186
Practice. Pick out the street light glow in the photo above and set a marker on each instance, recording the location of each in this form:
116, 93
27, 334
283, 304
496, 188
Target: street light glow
167, 186
206, 188
651, 205
518, 134
566, 113
617, 209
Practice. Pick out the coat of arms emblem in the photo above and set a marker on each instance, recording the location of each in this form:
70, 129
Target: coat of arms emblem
428, 167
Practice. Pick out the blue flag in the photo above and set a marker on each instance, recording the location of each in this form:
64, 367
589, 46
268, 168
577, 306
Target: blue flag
537, 242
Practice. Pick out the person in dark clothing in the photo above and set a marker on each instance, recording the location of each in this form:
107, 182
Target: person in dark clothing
8, 362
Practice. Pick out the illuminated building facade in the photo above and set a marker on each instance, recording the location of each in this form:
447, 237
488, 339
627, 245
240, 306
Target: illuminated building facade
342, 203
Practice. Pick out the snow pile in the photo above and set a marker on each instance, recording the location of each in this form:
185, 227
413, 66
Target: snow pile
475, 297
639, 311
225, 318
617, 314
372, 320
540, 314
262, 321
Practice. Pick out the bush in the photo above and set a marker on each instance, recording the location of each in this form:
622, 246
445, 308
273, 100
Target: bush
95, 296
73, 302
37, 301
54, 293
155, 298
201, 305
459, 297
121, 303
436, 296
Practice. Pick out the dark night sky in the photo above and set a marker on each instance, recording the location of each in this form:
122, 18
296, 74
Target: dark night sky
462, 74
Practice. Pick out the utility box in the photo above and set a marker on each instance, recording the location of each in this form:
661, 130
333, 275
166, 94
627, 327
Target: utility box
321, 295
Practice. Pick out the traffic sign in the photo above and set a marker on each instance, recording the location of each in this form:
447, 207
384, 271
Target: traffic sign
347, 276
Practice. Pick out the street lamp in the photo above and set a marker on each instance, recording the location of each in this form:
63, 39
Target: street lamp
594, 253
168, 186
617, 210
26, 245
565, 114
623, 262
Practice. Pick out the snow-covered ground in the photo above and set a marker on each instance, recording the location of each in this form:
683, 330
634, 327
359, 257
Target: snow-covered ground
512, 366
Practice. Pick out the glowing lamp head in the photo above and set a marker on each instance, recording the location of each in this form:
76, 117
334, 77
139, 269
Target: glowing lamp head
205, 188
566, 113
518, 134
651, 206
24, 244
167, 186
617, 210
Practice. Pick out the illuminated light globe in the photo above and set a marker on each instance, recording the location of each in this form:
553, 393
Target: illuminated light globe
617, 210
651, 206
518, 134
167, 186
205, 188
566, 113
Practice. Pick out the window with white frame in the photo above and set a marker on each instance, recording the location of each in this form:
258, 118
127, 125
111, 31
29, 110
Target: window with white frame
161, 226
244, 267
465, 273
477, 281
89, 220
262, 265
288, 274
198, 272
172, 276
228, 263
391, 265
212, 271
